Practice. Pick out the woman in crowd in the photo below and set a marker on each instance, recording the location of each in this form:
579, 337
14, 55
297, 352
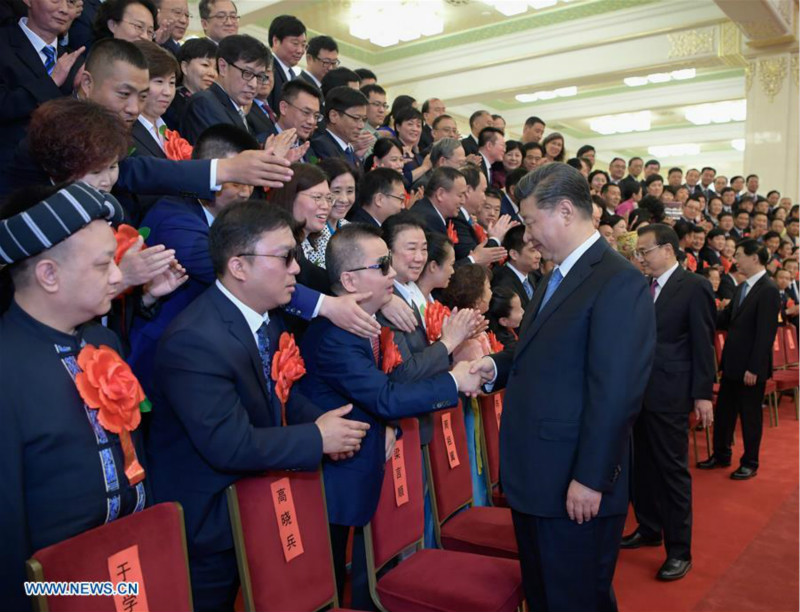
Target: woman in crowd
439, 268
505, 315
713, 209
129, 20
631, 194
554, 147
512, 159
399, 103
149, 132
307, 197
597, 178
654, 184
198, 71
342, 180
387, 153
618, 225
408, 126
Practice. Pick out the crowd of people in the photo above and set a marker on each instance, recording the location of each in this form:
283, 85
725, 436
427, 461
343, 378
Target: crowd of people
186, 225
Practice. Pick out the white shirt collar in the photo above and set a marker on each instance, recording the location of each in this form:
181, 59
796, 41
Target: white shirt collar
571, 259
488, 166
467, 216
522, 278
438, 213
154, 130
284, 66
252, 318
209, 216
662, 280
36, 40
750, 282
313, 78
404, 292
342, 144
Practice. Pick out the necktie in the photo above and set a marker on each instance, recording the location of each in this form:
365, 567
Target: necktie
243, 117
290, 73
50, 59
263, 352
526, 284
376, 350
351, 156
653, 288
555, 280
743, 294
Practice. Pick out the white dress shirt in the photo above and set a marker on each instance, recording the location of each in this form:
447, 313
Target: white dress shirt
750, 282
662, 280
571, 259
154, 130
313, 78
37, 41
252, 318
286, 69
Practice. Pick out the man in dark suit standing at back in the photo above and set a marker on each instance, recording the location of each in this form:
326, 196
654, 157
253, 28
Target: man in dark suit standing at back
431, 109
218, 417
477, 121
518, 273
322, 56
287, 38
751, 319
346, 115
34, 68
681, 381
491, 148
241, 64
570, 400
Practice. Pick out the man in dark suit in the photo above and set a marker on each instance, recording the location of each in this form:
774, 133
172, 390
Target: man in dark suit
173, 20
445, 194
287, 39
570, 404
751, 319
477, 121
508, 204
491, 148
727, 284
346, 115
381, 194
299, 108
634, 170
217, 417
241, 64
519, 271
682, 380
322, 55
343, 368
431, 109
33, 69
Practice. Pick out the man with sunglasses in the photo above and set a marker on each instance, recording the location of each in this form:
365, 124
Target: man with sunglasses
343, 368
346, 115
241, 67
321, 57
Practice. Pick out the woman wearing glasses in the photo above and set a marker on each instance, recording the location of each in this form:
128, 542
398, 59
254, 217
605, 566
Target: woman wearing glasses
129, 20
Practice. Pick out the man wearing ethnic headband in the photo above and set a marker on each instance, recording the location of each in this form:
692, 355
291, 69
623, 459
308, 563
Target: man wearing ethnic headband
67, 462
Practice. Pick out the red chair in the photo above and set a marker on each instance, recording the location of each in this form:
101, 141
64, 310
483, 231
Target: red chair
269, 581
491, 407
719, 344
790, 337
458, 525
429, 580
785, 379
160, 559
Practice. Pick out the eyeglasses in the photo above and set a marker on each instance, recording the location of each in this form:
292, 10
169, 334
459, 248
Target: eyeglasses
249, 75
224, 17
382, 105
384, 265
317, 197
328, 63
362, 119
140, 29
640, 253
396, 197
307, 113
290, 257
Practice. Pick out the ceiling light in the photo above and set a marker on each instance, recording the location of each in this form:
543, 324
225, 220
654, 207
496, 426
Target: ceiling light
540, 4
660, 77
509, 8
621, 124
682, 75
387, 23
676, 150
566, 92
561, 92
738, 144
717, 112
635, 81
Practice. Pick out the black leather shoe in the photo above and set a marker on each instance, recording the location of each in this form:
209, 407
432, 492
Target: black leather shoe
711, 463
744, 473
674, 569
637, 540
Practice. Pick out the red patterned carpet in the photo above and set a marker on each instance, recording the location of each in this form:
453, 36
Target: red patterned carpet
745, 548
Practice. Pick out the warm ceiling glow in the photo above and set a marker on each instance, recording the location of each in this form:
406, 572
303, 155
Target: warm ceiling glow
509, 8
676, 150
388, 23
561, 92
717, 112
661, 77
621, 124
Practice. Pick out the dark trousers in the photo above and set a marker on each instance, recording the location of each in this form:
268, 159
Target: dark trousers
662, 486
735, 398
215, 581
568, 567
361, 599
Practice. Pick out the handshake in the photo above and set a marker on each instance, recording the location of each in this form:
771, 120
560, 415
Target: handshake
472, 375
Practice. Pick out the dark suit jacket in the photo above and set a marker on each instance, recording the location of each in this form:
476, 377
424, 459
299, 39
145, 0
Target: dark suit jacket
172, 46
628, 181
24, 85
260, 123
467, 238
574, 386
710, 256
324, 146
341, 369
425, 210
426, 138
207, 108
144, 143
214, 419
359, 215
751, 330
81, 33
503, 276
469, 144
727, 287
304, 75
507, 208
175, 112
683, 368
280, 80
739, 234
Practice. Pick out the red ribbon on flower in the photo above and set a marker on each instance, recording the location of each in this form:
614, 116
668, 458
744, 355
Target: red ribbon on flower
726, 264
480, 233
126, 236
176, 147
107, 384
434, 317
452, 234
287, 368
390, 354
494, 343
691, 263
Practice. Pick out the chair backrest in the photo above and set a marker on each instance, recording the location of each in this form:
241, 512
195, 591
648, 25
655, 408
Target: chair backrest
448, 464
265, 538
394, 527
779, 349
147, 547
790, 337
491, 409
719, 344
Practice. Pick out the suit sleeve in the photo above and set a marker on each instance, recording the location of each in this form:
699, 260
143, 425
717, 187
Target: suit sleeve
350, 370
201, 389
466, 243
615, 386
19, 99
769, 305
191, 246
148, 175
431, 361
702, 312
303, 303
199, 115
